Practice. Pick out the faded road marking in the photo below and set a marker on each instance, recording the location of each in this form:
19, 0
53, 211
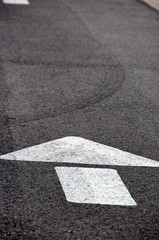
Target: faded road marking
17, 2
152, 3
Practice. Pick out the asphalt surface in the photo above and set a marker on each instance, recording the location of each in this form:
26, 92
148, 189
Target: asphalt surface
78, 68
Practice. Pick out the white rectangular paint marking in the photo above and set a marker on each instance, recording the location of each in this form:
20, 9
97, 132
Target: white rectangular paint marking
94, 186
18, 2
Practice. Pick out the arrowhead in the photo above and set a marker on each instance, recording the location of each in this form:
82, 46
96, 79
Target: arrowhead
79, 150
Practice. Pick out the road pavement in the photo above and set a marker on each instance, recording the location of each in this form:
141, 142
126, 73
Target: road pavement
85, 69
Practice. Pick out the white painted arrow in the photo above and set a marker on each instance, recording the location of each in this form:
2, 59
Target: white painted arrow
79, 150
86, 185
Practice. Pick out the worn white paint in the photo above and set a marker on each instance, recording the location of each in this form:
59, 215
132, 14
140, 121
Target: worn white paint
17, 2
79, 150
94, 186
